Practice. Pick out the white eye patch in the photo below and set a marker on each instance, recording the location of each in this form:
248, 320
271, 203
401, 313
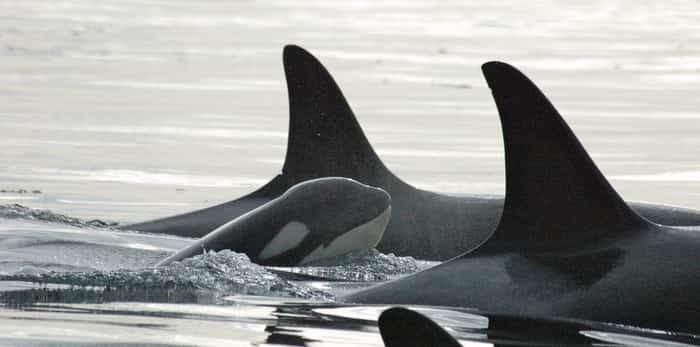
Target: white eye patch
288, 237
360, 238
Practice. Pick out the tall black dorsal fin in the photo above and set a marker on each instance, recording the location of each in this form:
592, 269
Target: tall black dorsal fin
555, 194
325, 138
402, 327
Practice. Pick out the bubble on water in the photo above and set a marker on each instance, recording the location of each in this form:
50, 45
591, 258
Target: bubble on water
203, 279
365, 266
17, 211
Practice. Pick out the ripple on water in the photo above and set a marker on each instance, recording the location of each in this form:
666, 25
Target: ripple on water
366, 266
17, 211
203, 279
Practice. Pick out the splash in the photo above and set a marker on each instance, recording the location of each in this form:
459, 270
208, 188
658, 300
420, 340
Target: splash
202, 279
366, 266
17, 211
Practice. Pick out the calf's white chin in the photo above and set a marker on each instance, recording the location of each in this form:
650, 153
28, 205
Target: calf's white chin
363, 237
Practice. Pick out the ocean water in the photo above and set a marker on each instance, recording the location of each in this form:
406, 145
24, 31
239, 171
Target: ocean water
119, 111
71, 282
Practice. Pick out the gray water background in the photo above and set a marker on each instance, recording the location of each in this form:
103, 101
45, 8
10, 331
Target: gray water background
134, 109
127, 110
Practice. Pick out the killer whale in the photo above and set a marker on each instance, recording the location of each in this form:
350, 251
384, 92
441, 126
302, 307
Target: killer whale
325, 139
313, 220
567, 245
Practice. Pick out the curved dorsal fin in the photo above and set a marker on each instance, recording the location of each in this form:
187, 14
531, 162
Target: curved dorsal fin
325, 138
401, 327
555, 194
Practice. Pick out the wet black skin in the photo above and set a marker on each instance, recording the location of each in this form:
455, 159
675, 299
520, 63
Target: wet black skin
402, 327
328, 207
567, 245
325, 139
405, 327
650, 280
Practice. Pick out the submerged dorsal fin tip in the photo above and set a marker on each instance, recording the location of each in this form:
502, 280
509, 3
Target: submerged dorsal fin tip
401, 327
555, 194
325, 138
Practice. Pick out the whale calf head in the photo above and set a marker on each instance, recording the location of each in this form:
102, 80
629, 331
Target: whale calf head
328, 217
313, 220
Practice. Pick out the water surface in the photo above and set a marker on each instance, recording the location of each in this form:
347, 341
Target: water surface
119, 111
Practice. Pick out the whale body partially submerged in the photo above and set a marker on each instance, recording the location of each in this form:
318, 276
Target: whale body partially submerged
567, 245
325, 139
314, 220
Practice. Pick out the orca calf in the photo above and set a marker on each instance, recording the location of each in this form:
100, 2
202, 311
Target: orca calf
567, 245
401, 327
313, 220
325, 139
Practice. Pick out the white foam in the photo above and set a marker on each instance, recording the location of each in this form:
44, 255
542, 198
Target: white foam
189, 86
680, 176
171, 131
120, 203
144, 247
631, 340
17, 197
640, 114
418, 59
409, 153
135, 177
